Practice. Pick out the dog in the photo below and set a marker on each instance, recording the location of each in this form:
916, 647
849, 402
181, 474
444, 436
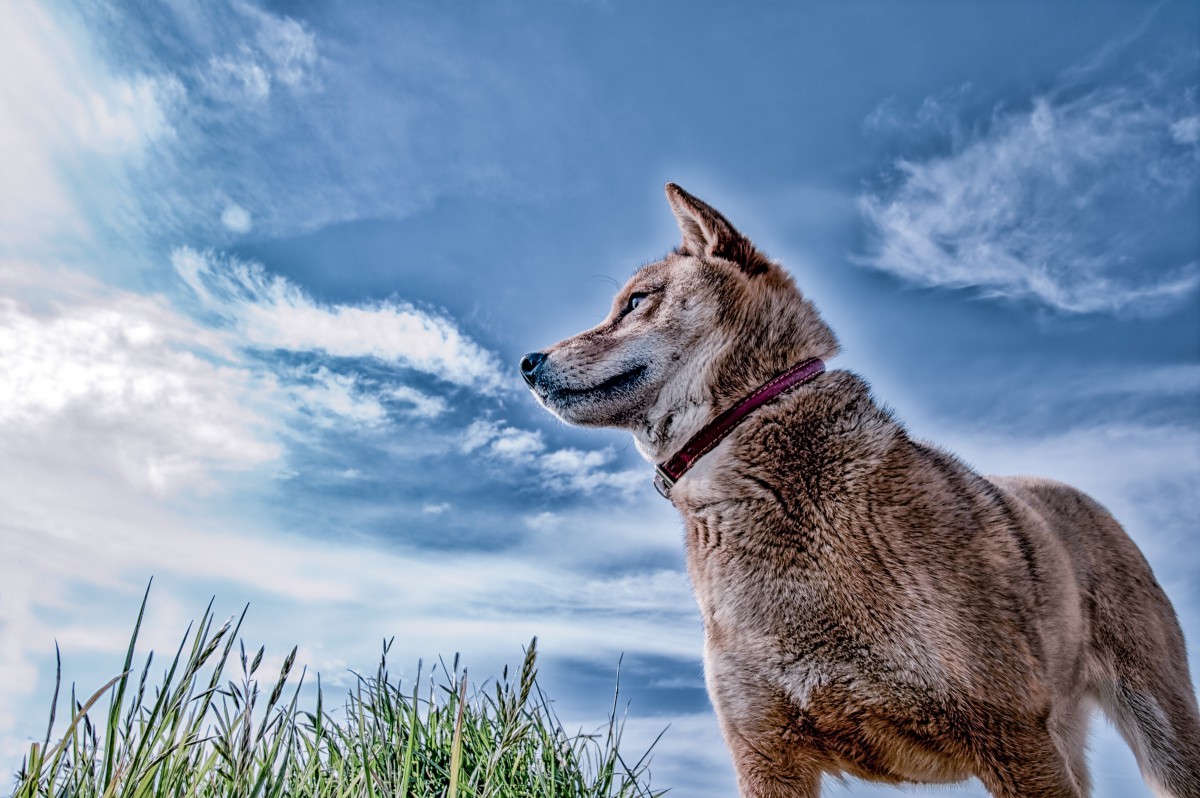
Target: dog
872, 607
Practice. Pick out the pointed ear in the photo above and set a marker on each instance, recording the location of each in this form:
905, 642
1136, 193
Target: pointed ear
704, 229
706, 233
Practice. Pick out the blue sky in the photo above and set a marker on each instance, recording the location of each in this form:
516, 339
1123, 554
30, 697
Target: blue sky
266, 271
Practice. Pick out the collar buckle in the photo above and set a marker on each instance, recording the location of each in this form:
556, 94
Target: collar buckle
663, 482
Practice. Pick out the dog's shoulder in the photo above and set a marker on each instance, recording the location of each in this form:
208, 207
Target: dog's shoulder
833, 423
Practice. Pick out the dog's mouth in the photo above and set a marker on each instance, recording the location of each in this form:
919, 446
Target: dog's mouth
613, 384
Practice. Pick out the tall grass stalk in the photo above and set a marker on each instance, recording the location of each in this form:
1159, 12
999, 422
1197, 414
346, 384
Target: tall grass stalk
205, 729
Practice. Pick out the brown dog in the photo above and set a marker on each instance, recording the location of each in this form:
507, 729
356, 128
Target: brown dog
871, 606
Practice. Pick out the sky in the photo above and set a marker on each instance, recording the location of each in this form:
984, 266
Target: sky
266, 271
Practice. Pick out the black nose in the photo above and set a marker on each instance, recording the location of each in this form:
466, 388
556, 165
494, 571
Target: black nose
529, 365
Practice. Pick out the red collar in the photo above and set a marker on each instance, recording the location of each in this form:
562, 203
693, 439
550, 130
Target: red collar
667, 473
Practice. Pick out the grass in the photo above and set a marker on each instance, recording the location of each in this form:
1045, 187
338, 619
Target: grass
211, 728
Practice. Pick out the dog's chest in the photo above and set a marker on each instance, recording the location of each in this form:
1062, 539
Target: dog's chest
767, 584
745, 587
783, 632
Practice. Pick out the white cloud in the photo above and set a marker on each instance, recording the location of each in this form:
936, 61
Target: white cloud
240, 79
289, 46
279, 50
936, 112
543, 522
517, 445
333, 398
574, 461
236, 218
1187, 130
560, 469
127, 114
480, 433
586, 471
70, 129
122, 380
120, 428
269, 312
421, 405
112, 408
503, 442
1055, 203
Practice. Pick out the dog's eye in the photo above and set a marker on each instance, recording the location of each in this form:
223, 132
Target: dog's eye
634, 301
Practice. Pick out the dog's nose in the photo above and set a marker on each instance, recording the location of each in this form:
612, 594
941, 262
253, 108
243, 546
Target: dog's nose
529, 365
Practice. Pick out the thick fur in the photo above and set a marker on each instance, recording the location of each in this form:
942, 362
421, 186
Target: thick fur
871, 605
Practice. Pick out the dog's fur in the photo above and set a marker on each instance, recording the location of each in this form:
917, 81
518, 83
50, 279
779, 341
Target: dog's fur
871, 606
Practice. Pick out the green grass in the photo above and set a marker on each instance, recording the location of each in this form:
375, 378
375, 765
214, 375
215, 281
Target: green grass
209, 727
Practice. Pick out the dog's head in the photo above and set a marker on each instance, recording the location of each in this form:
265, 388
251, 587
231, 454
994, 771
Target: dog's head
687, 336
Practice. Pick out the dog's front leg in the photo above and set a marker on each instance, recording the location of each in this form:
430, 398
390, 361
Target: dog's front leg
760, 728
766, 774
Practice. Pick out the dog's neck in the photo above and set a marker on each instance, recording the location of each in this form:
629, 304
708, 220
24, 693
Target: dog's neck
667, 429
677, 436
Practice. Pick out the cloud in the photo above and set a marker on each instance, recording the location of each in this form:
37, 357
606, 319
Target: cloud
71, 130
1077, 201
288, 45
1187, 130
234, 80
236, 218
269, 313
576, 469
937, 112
137, 440
418, 404
122, 380
278, 50
561, 470
332, 398
112, 407
121, 145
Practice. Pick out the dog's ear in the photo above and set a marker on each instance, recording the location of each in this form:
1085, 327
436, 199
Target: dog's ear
706, 233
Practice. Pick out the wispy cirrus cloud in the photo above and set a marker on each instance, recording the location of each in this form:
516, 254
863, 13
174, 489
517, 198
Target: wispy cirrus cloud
287, 44
269, 50
270, 312
1082, 201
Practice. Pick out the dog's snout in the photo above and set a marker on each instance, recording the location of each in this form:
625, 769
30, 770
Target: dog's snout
529, 365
